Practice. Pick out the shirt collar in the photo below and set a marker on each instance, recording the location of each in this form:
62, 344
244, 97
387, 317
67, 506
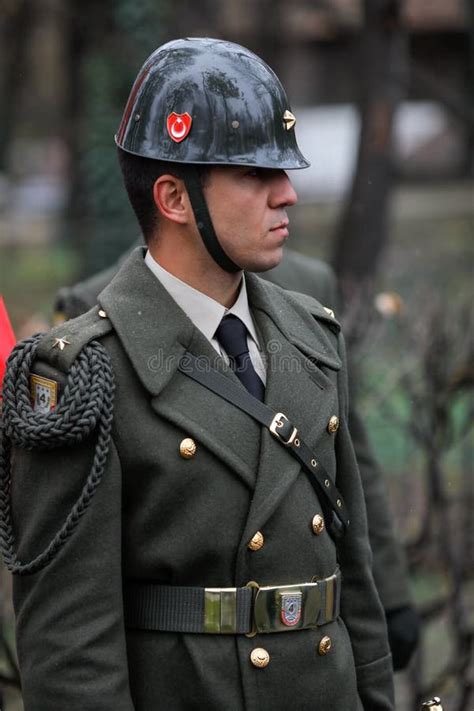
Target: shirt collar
241, 309
205, 313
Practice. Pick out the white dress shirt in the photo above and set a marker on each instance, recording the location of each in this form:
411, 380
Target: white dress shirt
206, 313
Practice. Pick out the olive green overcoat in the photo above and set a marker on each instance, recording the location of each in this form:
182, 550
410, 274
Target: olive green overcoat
159, 517
314, 278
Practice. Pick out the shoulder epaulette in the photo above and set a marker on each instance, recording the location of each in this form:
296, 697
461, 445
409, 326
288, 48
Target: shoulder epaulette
322, 313
61, 346
37, 418
304, 321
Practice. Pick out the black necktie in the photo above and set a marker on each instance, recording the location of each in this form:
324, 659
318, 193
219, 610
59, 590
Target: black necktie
232, 335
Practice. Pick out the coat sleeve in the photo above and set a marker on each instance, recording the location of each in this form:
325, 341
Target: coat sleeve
70, 630
361, 609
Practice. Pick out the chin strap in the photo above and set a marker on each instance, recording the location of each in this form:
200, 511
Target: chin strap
192, 180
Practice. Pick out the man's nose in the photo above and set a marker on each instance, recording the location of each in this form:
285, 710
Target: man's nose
283, 193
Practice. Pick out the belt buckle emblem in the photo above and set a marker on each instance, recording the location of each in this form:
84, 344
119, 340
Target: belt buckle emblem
290, 608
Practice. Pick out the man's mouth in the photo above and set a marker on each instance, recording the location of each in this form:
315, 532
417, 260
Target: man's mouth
281, 228
283, 225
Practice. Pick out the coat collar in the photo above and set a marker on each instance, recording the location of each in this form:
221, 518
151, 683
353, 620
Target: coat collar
298, 318
156, 333
152, 328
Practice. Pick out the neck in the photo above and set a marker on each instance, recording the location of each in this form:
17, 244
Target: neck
198, 270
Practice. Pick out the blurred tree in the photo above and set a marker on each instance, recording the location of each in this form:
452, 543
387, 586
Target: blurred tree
193, 18
105, 46
270, 36
77, 36
363, 229
440, 389
16, 23
470, 86
431, 403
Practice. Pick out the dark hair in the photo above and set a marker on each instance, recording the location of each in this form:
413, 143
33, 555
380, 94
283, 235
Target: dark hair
139, 176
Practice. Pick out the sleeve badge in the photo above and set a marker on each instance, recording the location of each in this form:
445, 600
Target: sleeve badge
44, 394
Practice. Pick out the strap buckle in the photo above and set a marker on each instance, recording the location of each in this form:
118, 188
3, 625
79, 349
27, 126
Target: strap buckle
279, 422
285, 608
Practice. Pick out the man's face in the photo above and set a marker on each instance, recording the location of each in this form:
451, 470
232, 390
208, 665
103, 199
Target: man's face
248, 210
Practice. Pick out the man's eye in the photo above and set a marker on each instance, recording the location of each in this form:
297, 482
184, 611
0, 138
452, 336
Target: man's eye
253, 173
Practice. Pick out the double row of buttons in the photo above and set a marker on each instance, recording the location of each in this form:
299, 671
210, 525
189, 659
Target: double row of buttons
259, 656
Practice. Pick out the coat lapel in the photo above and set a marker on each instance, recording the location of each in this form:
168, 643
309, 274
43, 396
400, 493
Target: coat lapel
296, 386
153, 330
155, 333
222, 428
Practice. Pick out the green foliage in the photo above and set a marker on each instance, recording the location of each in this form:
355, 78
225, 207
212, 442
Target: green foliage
30, 278
134, 30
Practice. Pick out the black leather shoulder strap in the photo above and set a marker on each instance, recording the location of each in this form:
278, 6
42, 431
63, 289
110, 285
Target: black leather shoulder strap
335, 511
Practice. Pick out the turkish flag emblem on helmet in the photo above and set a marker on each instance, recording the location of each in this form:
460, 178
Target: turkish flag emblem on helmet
178, 125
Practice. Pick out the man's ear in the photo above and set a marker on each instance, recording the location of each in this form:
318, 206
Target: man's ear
171, 199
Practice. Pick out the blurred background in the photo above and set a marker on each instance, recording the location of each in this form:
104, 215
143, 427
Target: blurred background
383, 92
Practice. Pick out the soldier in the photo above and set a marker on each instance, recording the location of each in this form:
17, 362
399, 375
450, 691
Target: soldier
315, 278
187, 524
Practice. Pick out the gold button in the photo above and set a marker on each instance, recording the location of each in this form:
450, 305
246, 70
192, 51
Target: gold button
187, 448
318, 524
256, 542
333, 424
102, 313
259, 657
324, 646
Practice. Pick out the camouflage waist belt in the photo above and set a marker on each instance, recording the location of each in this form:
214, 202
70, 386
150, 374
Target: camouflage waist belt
249, 610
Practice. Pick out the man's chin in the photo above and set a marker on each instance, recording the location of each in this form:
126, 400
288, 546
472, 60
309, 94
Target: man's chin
264, 264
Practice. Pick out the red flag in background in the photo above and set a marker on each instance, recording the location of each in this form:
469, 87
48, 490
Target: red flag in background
7, 340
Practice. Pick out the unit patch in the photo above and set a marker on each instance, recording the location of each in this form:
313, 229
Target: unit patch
290, 608
178, 125
44, 394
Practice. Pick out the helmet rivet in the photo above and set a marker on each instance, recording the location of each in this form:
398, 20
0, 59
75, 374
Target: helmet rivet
235, 124
137, 117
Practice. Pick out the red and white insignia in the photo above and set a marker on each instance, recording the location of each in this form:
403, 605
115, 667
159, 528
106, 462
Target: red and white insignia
290, 608
178, 125
44, 394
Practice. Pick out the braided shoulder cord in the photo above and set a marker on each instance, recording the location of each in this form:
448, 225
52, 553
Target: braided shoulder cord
86, 404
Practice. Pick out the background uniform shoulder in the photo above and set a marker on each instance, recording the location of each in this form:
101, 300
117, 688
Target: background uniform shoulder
297, 272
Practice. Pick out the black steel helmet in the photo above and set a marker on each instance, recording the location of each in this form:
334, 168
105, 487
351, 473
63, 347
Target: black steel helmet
201, 101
